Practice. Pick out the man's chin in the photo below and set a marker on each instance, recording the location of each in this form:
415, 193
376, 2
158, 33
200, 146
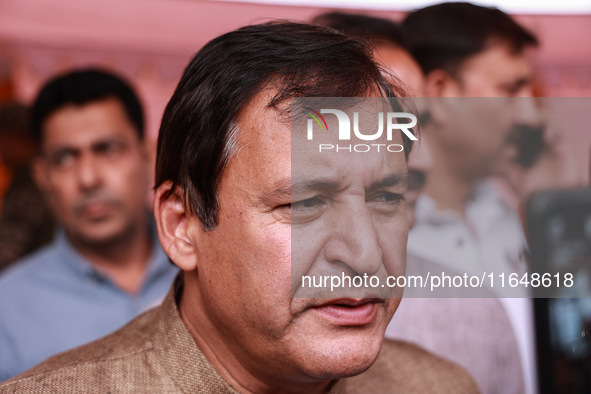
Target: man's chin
344, 367
347, 348
99, 234
336, 359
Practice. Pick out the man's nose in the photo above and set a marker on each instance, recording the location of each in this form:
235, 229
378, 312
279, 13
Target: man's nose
527, 111
354, 240
88, 172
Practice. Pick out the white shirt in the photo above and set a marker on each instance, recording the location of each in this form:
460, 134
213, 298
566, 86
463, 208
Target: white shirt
491, 239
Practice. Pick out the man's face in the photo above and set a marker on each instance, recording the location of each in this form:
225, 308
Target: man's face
495, 86
495, 72
346, 214
93, 170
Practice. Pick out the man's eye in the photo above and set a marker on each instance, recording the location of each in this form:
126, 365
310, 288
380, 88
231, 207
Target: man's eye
385, 202
388, 197
307, 204
512, 91
62, 158
109, 148
515, 89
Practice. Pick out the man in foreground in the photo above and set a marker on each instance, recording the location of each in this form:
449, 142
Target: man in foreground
105, 265
226, 205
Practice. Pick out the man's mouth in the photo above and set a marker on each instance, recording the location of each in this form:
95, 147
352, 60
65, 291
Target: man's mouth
95, 211
349, 311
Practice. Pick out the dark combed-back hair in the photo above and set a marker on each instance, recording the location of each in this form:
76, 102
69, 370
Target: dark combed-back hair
443, 36
83, 87
294, 59
363, 26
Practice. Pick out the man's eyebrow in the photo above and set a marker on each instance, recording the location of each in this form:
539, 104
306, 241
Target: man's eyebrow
59, 149
518, 83
93, 144
286, 187
395, 179
100, 143
300, 186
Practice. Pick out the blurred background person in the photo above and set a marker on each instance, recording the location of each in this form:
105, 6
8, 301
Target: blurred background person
26, 222
105, 266
390, 46
476, 333
472, 51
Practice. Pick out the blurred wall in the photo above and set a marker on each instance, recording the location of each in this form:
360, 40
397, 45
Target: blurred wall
150, 41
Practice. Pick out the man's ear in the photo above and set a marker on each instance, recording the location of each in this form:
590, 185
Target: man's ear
438, 83
174, 222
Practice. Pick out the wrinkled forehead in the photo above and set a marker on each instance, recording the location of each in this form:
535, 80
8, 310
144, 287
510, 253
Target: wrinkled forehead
88, 123
350, 119
498, 62
313, 141
352, 141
